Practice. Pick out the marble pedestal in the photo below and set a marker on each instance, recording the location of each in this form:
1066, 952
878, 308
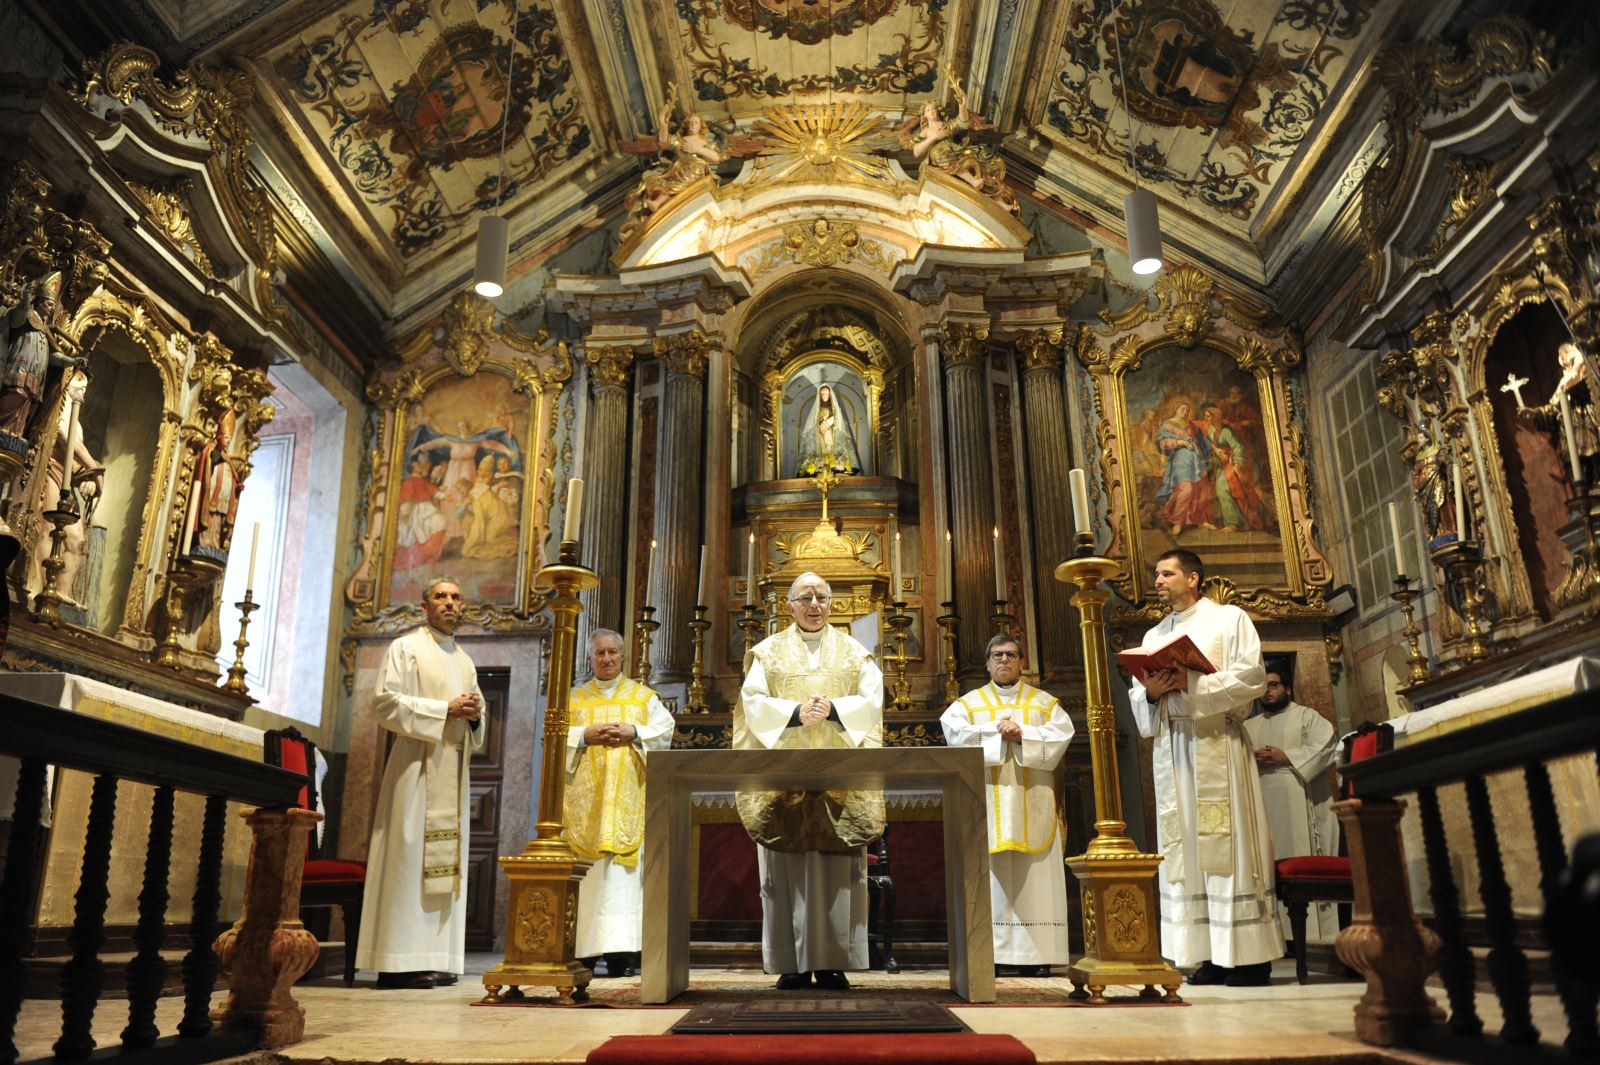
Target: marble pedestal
672, 778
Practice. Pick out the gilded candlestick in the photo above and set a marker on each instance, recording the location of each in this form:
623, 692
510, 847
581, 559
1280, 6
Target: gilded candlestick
544, 877
751, 622
696, 703
899, 621
947, 632
186, 575
236, 672
1462, 561
1403, 594
47, 604
642, 628
1002, 620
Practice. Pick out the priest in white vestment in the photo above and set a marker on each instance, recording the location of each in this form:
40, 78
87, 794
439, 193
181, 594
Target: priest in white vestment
1024, 734
1294, 748
414, 910
1219, 906
614, 722
811, 686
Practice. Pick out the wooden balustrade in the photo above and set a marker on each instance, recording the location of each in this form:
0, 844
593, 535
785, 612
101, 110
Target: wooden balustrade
263, 953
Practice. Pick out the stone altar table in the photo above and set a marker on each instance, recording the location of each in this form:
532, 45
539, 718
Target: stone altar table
673, 777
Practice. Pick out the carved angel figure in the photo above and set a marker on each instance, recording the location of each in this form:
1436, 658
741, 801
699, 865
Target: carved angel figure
960, 144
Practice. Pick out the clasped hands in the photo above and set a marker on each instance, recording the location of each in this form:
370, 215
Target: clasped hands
466, 706
610, 734
815, 710
1159, 682
1270, 756
1009, 730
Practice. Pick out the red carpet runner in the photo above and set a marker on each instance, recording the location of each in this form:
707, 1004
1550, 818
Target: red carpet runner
921, 1048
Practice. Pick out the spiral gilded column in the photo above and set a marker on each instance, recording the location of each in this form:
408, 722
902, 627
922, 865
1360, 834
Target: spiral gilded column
605, 474
680, 469
968, 446
1057, 647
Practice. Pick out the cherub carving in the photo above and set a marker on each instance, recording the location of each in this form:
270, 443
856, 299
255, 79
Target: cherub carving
683, 157
962, 144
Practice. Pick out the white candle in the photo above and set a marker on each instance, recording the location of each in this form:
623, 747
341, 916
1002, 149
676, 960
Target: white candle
1080, 501
894, 587
649, 571
999, 568
702, 598
1460, 497
569, 530
944, 569
1572, 442
67, 500
750, 571
1394, 531
255, 542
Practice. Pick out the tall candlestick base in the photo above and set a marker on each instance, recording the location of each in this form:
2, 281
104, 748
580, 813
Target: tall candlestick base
751, 623
1580, 587
541, 947
1403, 594
947, 632
47, 604
696, 701
184, 577
642, 628
899, 622
1121, 909
1003, 622
236, 672
1462, 562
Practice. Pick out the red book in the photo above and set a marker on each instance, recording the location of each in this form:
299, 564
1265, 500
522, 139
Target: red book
1176, 652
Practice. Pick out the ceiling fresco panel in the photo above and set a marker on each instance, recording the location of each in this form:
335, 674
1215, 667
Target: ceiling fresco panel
1220, 103
406, 99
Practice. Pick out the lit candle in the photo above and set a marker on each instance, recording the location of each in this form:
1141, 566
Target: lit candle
1394, 530
894, 588
1572, 442
750, 571
569, 529
649, 571
255, 542
999, 568
944, 569
1460, 496
1080, 501
705, 575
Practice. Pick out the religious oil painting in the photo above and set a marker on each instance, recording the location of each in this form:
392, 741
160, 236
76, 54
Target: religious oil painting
827, 421
1201, 472
462, 491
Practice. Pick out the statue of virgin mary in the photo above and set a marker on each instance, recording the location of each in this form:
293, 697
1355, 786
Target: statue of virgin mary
826, 438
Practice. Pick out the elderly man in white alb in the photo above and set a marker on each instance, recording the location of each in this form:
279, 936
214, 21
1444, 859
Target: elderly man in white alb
614, 722
1024, 734
811, 686
1218, 901
414, 910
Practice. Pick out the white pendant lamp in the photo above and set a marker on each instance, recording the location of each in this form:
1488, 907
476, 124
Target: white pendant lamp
1139, 206
494, 230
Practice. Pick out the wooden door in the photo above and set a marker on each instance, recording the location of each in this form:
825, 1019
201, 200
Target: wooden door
486, 786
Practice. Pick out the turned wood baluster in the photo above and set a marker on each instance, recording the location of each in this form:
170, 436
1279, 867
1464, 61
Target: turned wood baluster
1582, 1036
148, 970
80, 977
1508, 966
200, 964
16, 899
1456, 967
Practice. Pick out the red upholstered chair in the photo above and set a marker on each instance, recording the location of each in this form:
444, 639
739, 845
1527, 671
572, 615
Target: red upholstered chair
327, 882
1310, 878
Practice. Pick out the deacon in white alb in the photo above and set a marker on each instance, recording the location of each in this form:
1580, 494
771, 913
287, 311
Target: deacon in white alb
1294, 749
414, 911
1219, 906
811, 686
614, 722
1024, 734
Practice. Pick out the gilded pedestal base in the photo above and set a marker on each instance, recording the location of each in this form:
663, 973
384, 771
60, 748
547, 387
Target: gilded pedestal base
542, 929
1121, 928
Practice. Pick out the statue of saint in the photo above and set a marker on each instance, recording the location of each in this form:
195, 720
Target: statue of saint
1578, 385
215, 498
827, 439
88, 479
28, 358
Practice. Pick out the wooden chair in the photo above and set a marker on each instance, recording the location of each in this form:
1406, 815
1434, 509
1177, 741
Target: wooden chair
1309, 878
327, 882
880, 907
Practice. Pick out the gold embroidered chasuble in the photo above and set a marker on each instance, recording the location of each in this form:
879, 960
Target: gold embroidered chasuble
604, 807
783, 673
1022, 793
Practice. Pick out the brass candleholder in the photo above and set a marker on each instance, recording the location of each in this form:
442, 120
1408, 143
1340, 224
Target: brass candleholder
642, 628
947, 632
696, 702
1121, 910
900, 621
751, 623
542, 940
1403, 594
1002, 621
1581, 584
47, 604
185, 575
235, 682
1462, 562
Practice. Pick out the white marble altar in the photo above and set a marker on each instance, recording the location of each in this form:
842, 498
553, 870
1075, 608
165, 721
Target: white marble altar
672, 778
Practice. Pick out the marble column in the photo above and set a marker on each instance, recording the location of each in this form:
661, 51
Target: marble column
1056, 649
605, 477
680, 472
962, 347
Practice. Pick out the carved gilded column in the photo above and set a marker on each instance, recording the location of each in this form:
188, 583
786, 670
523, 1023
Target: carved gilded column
605, 475
961, 354
680, 470
1056, 648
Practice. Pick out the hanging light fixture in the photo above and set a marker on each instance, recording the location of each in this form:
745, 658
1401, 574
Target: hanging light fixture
494, 230
1139, 206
